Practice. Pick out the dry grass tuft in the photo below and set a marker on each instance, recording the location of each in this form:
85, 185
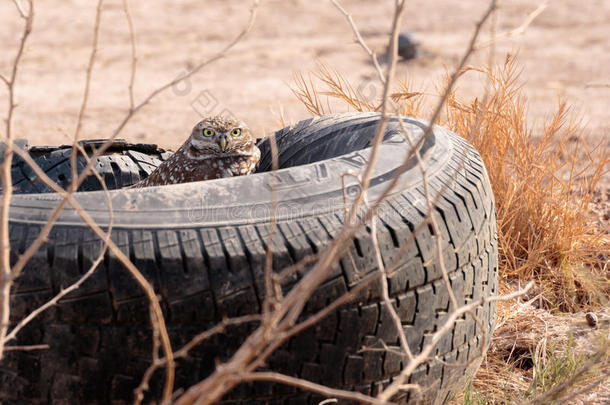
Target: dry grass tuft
534, 352
543, 179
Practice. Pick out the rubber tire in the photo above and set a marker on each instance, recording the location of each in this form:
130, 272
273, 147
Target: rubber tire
122, 165
202, 246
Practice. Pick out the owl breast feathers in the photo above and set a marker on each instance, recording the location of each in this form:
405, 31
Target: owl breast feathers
218, 147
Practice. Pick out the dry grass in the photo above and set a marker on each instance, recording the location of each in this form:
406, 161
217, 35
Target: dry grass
536, 353
543, 182
543, 179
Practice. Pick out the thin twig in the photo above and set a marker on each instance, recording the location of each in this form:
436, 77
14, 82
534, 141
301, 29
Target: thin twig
83, 106
280, 338
20, 9
421, 357
406, 372
134, 58
430, 217
273, 291
6, 280
383, 121
520, 30
42, 236
360, 40
157, 321
32, 315
184, 350
271, 376
404, 345
26, 348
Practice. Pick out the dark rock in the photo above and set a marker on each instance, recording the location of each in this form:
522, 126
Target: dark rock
407, 45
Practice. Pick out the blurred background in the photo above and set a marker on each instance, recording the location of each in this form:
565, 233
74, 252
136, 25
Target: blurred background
565, 52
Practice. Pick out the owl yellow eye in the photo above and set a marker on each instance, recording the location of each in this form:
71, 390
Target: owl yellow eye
236, 132
208, 132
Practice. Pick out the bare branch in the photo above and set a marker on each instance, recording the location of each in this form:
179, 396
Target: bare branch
313, 387
7, 184
157, 321
383, 121
404, 345
134, 58
32, 315
183, 352
421, 357
520, 30
430, 217
83, 106
273, 292
20, 9
26, 348
360, 40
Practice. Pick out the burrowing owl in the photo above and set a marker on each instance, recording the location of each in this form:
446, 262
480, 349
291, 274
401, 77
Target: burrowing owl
218, 147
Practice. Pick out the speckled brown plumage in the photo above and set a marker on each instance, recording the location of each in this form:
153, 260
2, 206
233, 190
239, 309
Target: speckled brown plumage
218, 147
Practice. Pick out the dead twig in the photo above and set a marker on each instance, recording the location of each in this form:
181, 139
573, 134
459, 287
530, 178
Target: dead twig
520, 30
83, 106
134, 58
381, 126
184, 350
157, 320
421, 357
360, 40
273, 291
406, 372
20, 9
404, 345
26, 348
312, 387
6, 276
52, 302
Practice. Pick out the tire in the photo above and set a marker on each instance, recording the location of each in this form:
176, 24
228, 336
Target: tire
202, 246
122, 165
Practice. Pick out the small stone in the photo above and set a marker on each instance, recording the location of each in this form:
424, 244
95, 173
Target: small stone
407, 45
591, 319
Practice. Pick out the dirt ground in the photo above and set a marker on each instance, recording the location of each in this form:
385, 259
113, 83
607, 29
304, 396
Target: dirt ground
565, 53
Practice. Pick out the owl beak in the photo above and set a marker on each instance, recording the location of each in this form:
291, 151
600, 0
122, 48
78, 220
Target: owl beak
222, 142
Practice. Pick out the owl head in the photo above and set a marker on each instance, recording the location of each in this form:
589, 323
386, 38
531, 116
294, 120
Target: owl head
220, 136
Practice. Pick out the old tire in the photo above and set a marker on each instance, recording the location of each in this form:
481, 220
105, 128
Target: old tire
122, 165
202, 246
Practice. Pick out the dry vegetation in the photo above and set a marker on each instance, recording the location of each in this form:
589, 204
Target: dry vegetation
544, 183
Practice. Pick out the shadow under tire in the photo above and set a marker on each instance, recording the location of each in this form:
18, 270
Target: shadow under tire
202, 246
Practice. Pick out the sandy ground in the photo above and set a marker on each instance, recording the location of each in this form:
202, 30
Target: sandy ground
564, 53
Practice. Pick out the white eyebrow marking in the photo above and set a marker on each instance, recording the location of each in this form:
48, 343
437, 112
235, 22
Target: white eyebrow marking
199, 157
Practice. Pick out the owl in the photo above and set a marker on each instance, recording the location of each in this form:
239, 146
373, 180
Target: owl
218, 147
